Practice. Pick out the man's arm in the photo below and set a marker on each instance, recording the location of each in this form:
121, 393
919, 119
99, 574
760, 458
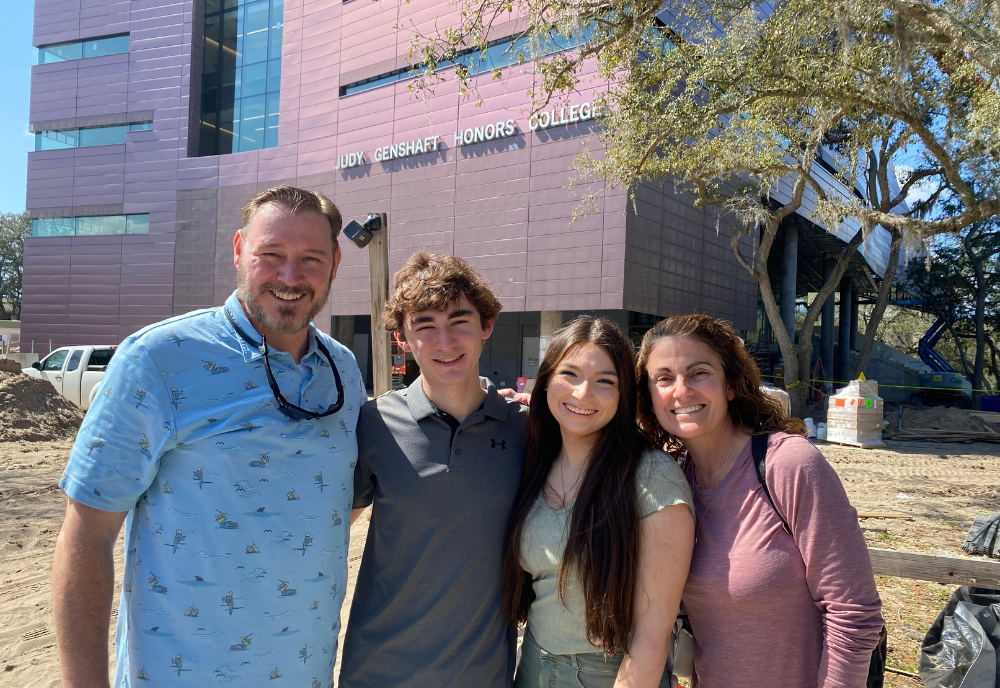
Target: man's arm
355, 513
83, 583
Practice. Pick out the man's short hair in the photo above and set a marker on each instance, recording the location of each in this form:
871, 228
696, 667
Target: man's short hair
429, 281
297, 201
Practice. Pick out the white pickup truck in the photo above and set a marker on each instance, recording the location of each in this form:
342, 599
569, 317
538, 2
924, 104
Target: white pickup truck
75, 371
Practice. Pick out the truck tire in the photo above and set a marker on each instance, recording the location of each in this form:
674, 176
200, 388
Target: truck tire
963, 402
916, 400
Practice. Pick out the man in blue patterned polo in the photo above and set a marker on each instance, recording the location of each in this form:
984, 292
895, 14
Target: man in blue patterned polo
224, 440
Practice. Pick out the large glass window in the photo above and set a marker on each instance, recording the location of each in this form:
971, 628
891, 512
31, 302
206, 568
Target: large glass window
502, 52
241, 77
81, 138
100, 225
77, 50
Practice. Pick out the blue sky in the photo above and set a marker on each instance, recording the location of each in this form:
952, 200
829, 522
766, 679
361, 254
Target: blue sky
16, 58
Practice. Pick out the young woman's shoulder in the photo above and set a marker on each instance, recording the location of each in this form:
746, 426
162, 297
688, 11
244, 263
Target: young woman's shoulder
661, 483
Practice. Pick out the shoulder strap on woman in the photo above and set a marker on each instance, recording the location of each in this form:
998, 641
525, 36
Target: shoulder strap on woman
758, 447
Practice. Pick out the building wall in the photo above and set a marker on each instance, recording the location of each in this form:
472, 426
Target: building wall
500, 204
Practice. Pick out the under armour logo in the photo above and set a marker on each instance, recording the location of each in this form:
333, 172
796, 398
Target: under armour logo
494, 443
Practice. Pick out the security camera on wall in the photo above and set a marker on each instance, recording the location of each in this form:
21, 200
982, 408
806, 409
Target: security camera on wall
361, 234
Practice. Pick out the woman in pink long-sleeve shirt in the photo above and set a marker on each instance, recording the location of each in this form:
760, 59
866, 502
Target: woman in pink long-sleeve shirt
767, 608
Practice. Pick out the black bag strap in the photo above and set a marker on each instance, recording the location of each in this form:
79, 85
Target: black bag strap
758, 447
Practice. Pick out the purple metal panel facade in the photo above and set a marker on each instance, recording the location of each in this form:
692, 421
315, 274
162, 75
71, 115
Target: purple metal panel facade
501, 204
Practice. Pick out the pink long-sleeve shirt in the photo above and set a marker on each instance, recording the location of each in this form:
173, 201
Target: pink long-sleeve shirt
774, 610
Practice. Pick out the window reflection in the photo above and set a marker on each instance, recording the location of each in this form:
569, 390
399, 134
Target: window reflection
77, 50
241, 76
503, 52
83, 138
100, 225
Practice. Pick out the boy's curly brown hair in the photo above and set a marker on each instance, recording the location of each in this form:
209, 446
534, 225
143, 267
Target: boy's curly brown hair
430, 281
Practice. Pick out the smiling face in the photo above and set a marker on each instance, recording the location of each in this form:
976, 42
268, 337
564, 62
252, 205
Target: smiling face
688, 386
446, 344
583, 392
285, 263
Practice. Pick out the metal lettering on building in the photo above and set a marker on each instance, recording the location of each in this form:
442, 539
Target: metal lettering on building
465, 137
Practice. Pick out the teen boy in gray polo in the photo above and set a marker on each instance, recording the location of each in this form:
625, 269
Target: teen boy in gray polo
441, 461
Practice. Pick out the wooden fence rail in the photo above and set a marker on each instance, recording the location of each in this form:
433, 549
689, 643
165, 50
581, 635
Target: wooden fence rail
929, 567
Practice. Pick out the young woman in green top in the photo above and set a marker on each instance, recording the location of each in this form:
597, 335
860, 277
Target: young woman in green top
600, 541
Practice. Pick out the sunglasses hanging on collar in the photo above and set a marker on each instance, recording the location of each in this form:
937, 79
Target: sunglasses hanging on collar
290, 410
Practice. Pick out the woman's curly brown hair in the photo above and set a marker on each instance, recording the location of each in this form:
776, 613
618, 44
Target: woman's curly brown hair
751, 410
430, 281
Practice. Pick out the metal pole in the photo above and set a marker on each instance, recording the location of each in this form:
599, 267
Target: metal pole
378, 273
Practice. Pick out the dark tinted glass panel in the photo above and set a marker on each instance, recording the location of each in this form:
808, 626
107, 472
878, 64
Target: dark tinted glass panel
230, 44
101, 357
240, 88
53, 227
74, 361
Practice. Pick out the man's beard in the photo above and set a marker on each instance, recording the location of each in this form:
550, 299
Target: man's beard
285, 322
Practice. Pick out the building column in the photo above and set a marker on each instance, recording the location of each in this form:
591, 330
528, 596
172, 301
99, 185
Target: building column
789, 274
551, 321
844, 330
826, 324
855, 344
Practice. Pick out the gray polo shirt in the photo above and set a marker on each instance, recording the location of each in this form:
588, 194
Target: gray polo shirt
426, 610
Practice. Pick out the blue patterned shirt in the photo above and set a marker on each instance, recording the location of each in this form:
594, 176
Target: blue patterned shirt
239, 518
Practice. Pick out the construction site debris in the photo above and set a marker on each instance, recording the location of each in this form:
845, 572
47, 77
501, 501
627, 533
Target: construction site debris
9, 365
32, 411
855, 414
941, 418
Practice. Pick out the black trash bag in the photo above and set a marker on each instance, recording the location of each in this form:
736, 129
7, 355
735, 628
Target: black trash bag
962, 647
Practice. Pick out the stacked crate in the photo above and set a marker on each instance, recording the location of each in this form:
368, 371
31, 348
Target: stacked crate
855, 415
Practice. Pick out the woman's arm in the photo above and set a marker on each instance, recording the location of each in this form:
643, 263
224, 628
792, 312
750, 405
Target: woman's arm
666, 541
838, 571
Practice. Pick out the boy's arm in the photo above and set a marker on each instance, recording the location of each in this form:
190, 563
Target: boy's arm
83, 582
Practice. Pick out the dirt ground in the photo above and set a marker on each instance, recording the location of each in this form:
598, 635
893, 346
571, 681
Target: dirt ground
941, 486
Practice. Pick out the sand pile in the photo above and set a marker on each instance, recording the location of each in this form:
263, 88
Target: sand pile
9, 365
32, 411
942, 418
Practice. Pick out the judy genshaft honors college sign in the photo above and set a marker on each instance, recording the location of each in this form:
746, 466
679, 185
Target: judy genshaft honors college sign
464, 137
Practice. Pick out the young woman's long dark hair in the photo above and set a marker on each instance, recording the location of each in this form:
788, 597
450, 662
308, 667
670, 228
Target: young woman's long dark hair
603, 541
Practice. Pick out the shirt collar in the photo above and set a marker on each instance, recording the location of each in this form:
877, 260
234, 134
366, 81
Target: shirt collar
421, 407
251, 351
